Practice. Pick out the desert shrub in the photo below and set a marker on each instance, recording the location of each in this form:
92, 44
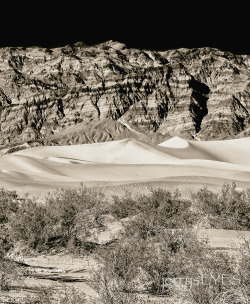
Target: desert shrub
113, 281
231, 283
215, 279
74, 212
228, 209
235, 206
63, 220
32, 224
124, 206
8, 272
15, 149
21, 219
8, 204
150, 257
6, 240
170, 209
244, 271
51, 296
157, 246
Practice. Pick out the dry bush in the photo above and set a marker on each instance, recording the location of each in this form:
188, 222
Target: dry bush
8, 269
169, 209
63, 221
228, 209
52, 296
149, 257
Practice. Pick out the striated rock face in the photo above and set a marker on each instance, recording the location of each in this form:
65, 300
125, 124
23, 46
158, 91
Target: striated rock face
112, 92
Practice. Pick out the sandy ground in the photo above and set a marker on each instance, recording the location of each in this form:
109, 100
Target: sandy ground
117, 167
128, 162
60, 271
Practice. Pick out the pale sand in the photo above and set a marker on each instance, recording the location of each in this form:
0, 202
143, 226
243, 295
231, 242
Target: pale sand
119, 166
36, 170
175, 142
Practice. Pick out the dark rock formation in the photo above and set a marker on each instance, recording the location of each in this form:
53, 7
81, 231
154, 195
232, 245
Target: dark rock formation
107, 92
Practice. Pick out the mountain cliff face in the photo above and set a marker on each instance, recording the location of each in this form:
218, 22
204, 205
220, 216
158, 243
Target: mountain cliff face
82, 94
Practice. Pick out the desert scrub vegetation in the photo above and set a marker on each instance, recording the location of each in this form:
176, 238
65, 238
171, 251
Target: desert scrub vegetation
228, 209
52, 296
8, 269
62, 221
67, 216
156, 248
170, 209
157, 260
244, 270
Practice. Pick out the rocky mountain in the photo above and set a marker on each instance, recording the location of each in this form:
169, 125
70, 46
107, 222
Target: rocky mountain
82, 94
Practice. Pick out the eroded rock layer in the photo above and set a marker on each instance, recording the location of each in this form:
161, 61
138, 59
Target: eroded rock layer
194, 93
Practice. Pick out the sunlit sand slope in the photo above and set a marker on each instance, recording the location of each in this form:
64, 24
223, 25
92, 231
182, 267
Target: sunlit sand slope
235, 151
128, 151
126, 161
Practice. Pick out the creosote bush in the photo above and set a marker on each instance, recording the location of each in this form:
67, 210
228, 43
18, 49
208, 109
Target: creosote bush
157, 245
67, 216
74, 212
228, 209
51, 296
169, 209
32, 224
147, 256
62, 221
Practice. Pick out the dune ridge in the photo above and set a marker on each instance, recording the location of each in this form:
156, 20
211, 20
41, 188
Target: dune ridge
124, 161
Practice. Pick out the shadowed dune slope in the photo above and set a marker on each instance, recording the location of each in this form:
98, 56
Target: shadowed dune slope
126, 161
127, 151
235, 151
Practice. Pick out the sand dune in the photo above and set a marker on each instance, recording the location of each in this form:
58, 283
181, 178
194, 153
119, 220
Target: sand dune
24, 164
175, 142
126, 161
128, 151
236, 151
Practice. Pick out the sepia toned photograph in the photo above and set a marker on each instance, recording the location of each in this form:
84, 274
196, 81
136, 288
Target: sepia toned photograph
124, 154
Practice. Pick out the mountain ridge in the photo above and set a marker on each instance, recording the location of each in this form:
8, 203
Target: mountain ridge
114, 92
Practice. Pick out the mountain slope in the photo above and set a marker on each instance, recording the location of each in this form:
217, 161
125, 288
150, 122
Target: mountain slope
195, 93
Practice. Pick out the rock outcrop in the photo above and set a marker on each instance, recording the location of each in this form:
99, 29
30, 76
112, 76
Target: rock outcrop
108, 91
